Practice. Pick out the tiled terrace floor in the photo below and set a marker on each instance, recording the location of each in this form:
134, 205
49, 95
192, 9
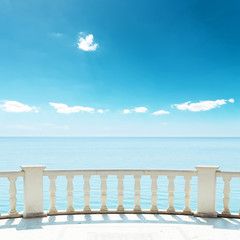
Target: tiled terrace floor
119, 227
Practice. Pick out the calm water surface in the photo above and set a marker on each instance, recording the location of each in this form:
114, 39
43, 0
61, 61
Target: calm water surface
120, 153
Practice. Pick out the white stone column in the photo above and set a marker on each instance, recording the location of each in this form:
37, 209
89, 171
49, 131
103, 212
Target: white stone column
137, 196
86, 189
226, 192
206, 191
171, 189
187, 197
104, 207
52, 196
13, 199
70, 208
154, 196
33, 191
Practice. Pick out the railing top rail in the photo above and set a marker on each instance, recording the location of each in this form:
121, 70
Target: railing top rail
12, 173
227, 173
120, 172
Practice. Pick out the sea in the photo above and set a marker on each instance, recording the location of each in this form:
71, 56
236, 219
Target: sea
119, 153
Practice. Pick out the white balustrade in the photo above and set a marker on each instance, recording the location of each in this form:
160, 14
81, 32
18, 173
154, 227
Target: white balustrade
137, 189
86, 193
52, 197
154, 196
187, 197
120, 207
70, 207
33, 190
226, 192
12, 199
104, 207
171, 189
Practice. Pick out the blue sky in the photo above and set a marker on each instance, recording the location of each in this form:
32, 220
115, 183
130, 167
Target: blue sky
112, 64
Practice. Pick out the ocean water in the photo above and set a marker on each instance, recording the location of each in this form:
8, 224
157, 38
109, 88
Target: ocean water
120, 153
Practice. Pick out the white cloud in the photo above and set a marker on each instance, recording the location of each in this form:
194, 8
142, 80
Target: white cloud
161, 112
136, 109
102, 111
140, 109
126, 111
14, 106
63, 108
86, 44
202, 105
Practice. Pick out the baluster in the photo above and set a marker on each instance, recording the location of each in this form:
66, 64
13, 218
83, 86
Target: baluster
154, 196
137, 188
120, 207
187, 208
52, 197
86, 189
13, 200
171, 189
70, 207
226, 192
104, 193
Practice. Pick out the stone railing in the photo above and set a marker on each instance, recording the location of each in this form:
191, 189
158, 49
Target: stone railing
12, 177
33, 191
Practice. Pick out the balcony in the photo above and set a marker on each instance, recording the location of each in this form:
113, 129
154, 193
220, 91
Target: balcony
121, 222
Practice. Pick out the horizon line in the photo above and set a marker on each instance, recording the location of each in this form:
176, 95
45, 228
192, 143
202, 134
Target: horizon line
119, 136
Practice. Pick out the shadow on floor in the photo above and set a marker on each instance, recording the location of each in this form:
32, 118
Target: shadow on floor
38, 223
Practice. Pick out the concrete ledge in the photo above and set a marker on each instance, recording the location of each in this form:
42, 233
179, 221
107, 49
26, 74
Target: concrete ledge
97, 212
233, 215
116, 212
7, 216
35, 215
206, 215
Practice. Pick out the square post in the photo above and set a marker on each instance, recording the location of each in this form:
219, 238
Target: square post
206, 191
33, 191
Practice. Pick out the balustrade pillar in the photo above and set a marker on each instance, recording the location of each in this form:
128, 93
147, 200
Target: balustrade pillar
52, 196
226, 192
120, 207
171, 189
187, 197
33, 191
137, 189
86, 189
104, 207
206, 191
12, 200
154, 207
70, 207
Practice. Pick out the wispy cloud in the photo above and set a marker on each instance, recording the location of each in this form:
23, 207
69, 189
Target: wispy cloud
86, 44
63, 108
136, 109
202, 105
102, 111
126, 111
17, 107
160, 112
56, 34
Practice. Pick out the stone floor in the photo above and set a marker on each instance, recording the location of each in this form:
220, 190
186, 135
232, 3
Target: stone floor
119, 227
